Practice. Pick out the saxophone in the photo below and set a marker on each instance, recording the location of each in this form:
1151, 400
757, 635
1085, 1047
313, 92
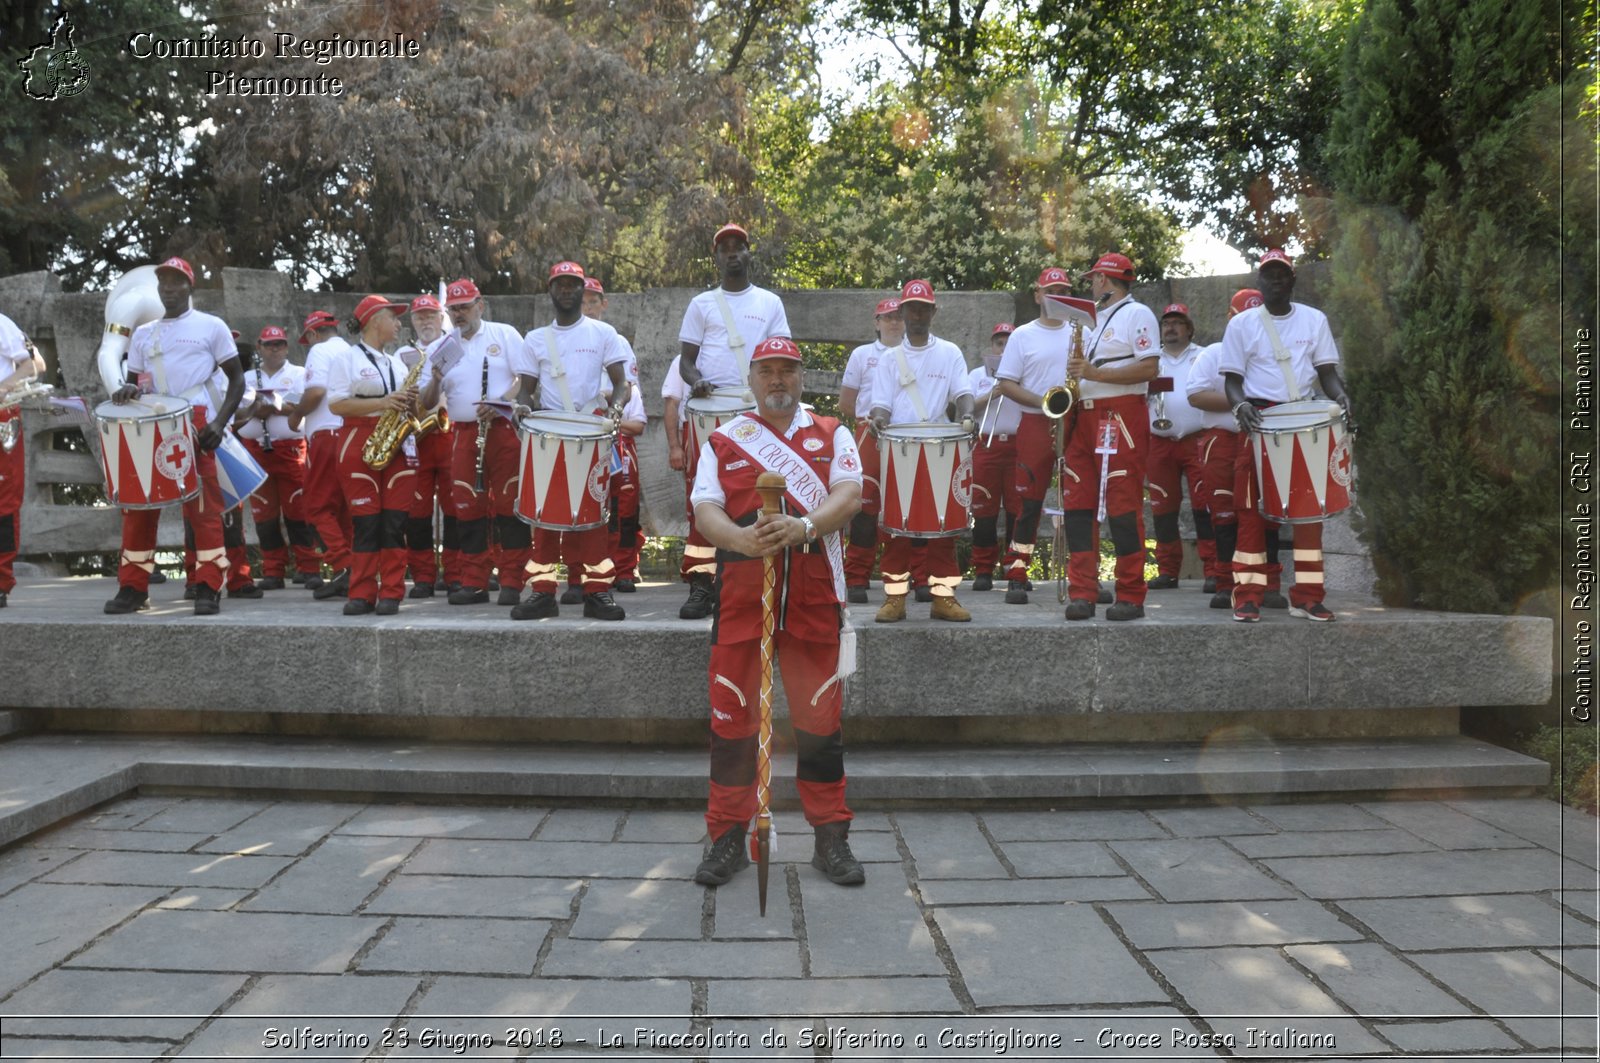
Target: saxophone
1059, 400
395, 425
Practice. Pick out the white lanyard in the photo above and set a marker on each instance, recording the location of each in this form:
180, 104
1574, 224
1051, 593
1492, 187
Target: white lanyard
735, 340
558, 367
908, 381
1291, 386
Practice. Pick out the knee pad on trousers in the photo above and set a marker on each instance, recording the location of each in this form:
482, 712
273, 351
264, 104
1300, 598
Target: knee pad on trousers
1273, 544
733, 760
984, 531
301, 533
628, 533
1027, 522
452, 533
1125, 533
366, 533
1202, 525
419, 533
1227, 541
863, 530
1166, 528
819, 758
512, 534
392, 529
1079, 526
8, 534
233, 529
474, 535
270, 534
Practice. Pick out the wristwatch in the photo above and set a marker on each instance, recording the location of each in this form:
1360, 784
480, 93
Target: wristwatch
811, 529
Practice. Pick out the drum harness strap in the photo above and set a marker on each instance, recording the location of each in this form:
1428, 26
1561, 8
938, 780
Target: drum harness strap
908, 381
735, 338
558, 367
1281, 354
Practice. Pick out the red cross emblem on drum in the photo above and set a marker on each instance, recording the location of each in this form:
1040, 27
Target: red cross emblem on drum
173, 459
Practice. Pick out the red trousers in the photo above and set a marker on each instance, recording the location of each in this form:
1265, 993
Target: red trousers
323, 499
435, 457
865, 537
233, 548
1253, 573
623, 538
1124, 496
203, 514
1171, 462
899, 563
380, 502
278, 506
994, 486
13, 472
815, 698
1034, 468
588, 549
496, 506
1218, 451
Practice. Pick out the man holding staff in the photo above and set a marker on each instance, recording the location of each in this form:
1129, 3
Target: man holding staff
822, 471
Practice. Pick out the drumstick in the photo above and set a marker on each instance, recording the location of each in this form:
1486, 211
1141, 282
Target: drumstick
771, 487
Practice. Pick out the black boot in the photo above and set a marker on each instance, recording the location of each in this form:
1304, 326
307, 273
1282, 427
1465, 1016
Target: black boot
833, 856
725, 856
702, 599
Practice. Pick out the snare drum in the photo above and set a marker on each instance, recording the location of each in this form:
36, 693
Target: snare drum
148, 452
925, 470
1302, 456
239, 474
566, 470
709, 414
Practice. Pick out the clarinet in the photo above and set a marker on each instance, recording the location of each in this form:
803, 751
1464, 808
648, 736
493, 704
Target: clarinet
483, 447
266, 436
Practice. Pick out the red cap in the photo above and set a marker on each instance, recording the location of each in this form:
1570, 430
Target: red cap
425, 302
917, 292
315, 320
1243, 299
461, 293
1178, 310
887, 306
564, 269
371, 305
235, 332
1053, 275
272, 334
776, 347
592, 284
1276, 255
1005, 328
178, 265
1113, 265
730, 229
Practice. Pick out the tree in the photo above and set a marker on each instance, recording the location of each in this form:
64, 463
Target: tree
1447, 273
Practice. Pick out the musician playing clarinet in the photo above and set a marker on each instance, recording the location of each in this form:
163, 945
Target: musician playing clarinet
822, 469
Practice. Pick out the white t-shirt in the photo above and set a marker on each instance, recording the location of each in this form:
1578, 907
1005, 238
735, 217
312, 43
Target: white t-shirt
845, 468
502, 348
1247, 351
13, 349
191, 347
757, 313
941, 374
1124, 332
319, 366
585, 348
858, 373
285, 385
1003, 417
1186, 420
363, 373
673, 387
1204, 376
1036, 358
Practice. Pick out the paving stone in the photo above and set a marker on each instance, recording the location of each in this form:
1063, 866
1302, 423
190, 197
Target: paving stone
738, 907
1221, 983
1197, 870
869, 822
43, 924
51, 1049
1371, 980
1319, 817
146, 841
545, 1003
459, 946
1509, 984
672, 959
1061, 860
1444, 826
1071, 825
1585, 902
233, 941
1551, 824
1209, 822
446, 895
874, 928
947, 892
648, 825
649, 909
1422, 874
1582, 961
1502, 921
288, 828
445, 821
584, 825
1329, 843
831, 996
870, 847
1009, 957
1455, 1036
125, 813
335, 878
24, 864
115, 1004
326, 1003
202, 815
948, 845
171, 869
555, 859
1167, 926
203, 899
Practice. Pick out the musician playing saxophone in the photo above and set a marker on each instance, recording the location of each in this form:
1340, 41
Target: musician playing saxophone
435, 455
21, 363
365, 382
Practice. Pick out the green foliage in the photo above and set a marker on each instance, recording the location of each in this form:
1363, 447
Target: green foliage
1451, 310
1574, 773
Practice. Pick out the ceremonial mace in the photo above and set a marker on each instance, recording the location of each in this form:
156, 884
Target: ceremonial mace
770, 486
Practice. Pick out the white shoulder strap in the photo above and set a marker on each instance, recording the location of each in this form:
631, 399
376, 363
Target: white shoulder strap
908, 381
735, 339
559, 367
1285, 364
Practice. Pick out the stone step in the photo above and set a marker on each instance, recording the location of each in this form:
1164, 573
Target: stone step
51, 777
